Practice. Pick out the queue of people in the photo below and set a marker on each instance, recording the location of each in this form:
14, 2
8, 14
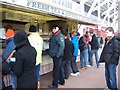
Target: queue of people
22, 56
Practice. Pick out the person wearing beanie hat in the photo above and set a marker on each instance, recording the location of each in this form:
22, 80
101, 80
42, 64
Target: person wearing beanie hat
10, 46
10, 33
56, 51
110, 56
24, 67
37, 42
32, 28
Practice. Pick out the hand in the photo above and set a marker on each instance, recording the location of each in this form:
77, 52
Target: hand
11, 60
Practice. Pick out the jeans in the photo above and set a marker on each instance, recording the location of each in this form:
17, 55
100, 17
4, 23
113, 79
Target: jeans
66, 68
96, 57
84, 58
110, 75
89, 50
38, 71
57, 71
74, 65
13, 80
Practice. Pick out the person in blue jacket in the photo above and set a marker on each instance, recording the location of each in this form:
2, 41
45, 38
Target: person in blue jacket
74, 67
10, 46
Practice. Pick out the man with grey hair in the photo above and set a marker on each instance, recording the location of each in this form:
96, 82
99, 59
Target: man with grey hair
110, 56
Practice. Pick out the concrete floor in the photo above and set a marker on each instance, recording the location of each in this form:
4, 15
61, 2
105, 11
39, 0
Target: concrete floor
89, 78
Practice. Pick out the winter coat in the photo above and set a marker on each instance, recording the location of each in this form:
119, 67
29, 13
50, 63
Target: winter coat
68, 51
118, 38
56, 44
109, 54
24, 67
82, 44
74, 40
37, 42
10, 46
94, 43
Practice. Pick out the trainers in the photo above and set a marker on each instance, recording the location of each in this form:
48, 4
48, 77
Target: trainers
74, 74
89, 66
78, 73
52, 87
98, 66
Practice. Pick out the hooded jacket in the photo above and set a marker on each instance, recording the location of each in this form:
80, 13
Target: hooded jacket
24, 67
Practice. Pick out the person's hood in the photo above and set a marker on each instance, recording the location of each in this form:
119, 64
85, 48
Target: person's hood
20, 38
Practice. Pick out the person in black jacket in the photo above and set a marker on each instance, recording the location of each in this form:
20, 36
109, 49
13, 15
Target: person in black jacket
83, 53
67, 57
94, 49
110, 56
24, 67
118, 38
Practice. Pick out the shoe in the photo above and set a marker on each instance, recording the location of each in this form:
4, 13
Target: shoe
52, 86
89, 66
98, 66
61, 83
74, 74
83, 68
78, 73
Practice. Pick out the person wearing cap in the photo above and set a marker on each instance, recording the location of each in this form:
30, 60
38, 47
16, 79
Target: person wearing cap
37, 42
25, 66
10, 46
56, 51
110, 57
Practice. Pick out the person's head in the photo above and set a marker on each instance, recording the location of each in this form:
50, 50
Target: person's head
91, 32
109, 32
74, 33
20, 36
67, 35
32, 29
8, 27
55, 29
87, 33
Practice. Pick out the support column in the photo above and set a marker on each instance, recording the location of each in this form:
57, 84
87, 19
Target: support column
82, 2
108, 11
99, 27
